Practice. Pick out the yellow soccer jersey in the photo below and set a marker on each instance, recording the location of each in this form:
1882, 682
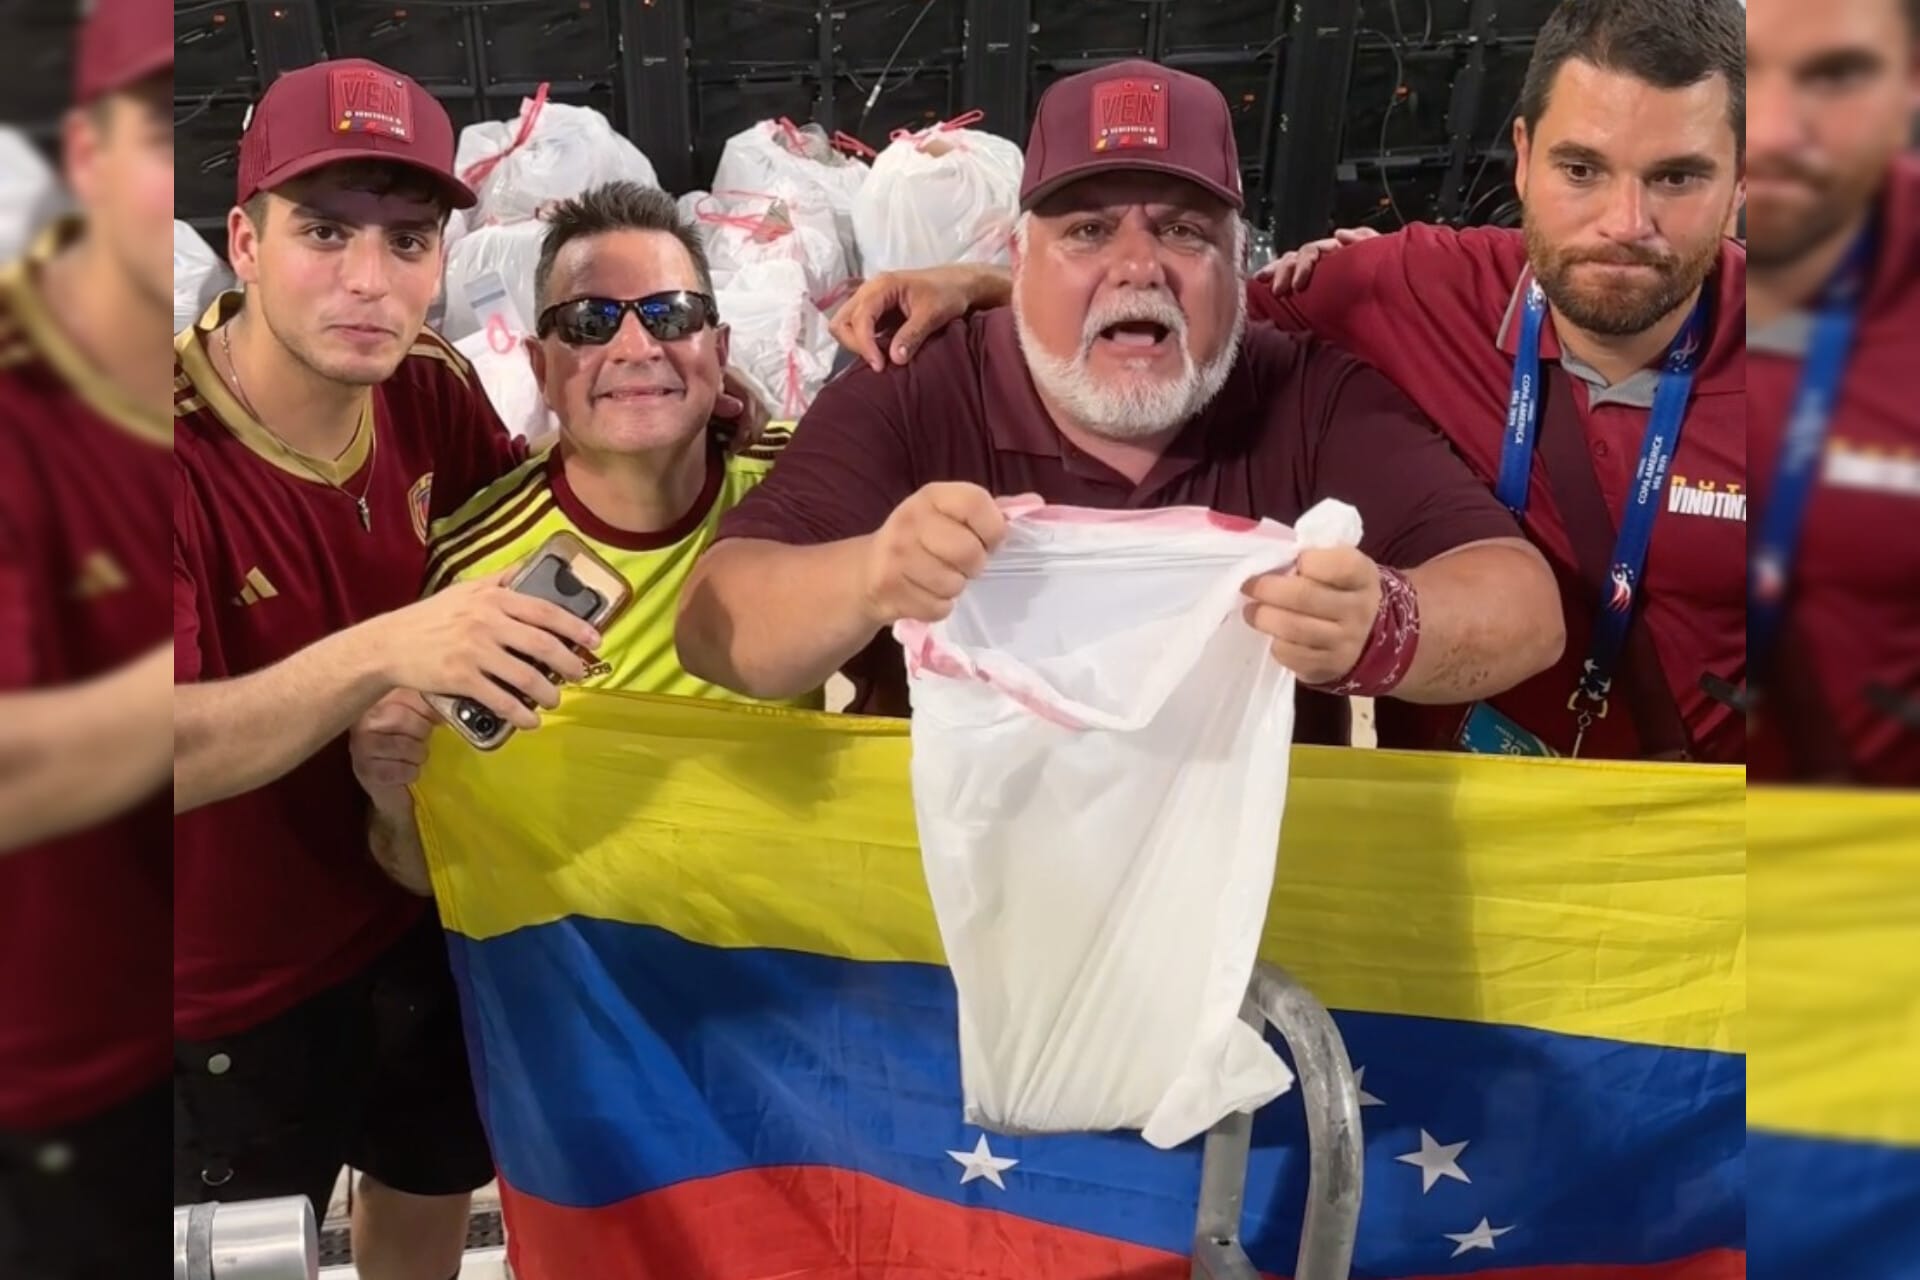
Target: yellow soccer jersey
507, 522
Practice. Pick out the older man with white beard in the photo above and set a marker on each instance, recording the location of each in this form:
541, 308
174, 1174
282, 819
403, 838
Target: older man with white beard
1123, 377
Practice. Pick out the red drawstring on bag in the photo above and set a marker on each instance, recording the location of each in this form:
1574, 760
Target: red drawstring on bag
477, 172
852, 146
926, 135
795, 142
761, 226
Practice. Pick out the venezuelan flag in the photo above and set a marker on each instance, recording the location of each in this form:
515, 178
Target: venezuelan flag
1834, 893
714, 1039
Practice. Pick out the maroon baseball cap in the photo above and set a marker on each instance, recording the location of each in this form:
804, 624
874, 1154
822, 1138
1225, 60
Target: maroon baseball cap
122, 42
347, 109
1132, 115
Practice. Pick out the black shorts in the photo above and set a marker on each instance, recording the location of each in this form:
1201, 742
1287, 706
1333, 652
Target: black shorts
371, 1073
78, 1201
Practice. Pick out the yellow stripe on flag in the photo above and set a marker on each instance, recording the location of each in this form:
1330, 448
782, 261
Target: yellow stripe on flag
1835, 898
1591, 899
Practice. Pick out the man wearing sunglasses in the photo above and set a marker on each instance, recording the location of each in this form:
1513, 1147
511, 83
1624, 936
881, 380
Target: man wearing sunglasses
629, 351
1124, 376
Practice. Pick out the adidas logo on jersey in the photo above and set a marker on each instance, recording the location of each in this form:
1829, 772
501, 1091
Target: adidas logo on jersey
255, 588
100, 575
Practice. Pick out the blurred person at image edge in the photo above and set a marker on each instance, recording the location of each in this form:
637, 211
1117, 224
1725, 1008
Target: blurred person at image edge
1833, 224
85, 695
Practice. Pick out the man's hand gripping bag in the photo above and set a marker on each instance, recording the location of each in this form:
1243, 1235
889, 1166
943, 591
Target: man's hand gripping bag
1100, 754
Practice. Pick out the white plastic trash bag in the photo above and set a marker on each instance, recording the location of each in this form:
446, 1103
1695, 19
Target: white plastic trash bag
510, 252
944, 194
776, 156
199, 276
507, 377
550, 152
1100, 754
744, 229
776, 334
30, 196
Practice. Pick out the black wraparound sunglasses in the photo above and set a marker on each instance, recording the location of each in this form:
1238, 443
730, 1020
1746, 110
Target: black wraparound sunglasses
593, 321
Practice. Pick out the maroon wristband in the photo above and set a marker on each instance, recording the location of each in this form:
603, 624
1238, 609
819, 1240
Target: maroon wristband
1395, 638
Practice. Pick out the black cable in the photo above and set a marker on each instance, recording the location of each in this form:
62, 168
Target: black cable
1393, 8
1386, 118
879, 85
1466, 218
1506, 126
200, 108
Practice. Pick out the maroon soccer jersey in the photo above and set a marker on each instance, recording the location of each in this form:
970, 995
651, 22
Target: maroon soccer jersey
1296, 421
1438, 312
275, 894
83, 919
1853, 644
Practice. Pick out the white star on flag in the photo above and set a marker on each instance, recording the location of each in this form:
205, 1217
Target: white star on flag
1360, 1083
1481, 1237
982, 1163
1435, 1161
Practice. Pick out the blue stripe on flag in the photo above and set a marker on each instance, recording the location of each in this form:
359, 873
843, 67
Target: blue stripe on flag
617, 1059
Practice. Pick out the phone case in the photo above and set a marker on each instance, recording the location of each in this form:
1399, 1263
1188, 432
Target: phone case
587, 566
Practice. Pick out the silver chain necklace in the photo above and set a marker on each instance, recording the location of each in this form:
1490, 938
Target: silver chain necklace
360, 502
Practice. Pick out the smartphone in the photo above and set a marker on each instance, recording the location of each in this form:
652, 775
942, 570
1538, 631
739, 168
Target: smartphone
567, 572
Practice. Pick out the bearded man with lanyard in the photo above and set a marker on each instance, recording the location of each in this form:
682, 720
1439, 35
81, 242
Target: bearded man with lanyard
1834, 611
1628, 145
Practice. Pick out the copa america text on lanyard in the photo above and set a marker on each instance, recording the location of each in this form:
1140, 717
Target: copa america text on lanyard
1770, 569
1588, 701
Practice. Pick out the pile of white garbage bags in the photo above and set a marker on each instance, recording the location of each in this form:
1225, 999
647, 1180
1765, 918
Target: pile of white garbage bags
791, 227
778, 226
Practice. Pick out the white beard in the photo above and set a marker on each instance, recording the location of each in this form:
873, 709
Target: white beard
1132, 407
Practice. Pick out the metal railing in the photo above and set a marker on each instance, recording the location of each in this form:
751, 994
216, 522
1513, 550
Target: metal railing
252, 1240
1335, 1150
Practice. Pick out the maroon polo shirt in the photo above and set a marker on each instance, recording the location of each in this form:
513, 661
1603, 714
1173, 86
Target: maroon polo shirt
1437, 311
275, 894
1855, 603
84, 919
1297, 421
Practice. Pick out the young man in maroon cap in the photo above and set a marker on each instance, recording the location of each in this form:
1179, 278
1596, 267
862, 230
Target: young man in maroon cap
85, 702
318, 428
1123, 377
1833, 221
1628, 139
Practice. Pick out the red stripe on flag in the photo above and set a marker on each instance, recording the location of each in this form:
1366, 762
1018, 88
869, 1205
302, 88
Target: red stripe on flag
817, 1223
807, 1223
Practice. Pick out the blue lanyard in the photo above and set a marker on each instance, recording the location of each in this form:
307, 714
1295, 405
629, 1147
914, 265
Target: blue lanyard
1657, 447
1770, 570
